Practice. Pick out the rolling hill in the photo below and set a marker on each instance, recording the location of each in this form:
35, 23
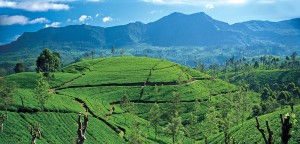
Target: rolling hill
99, 86
102, 86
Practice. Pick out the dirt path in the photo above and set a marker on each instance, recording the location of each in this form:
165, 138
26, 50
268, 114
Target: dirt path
165, 101
72, 80
65, 83
131, 84
116, 129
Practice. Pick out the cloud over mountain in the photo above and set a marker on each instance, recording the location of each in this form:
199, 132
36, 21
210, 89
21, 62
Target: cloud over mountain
21, 20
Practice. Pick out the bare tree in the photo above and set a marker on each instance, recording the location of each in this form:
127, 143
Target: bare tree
268, 140
35, 131
82, 128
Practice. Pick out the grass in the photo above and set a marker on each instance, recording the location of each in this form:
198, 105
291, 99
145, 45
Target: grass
267, 77
56, 128
54, 103
64, 106
248, 132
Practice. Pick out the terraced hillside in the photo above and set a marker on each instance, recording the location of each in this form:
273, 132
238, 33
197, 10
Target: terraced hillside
248, 132
100, 86
262, 77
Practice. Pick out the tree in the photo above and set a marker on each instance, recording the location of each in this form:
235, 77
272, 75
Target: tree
196, 107
93, 54
154, 116
113, 51
127, 106
293, 56
3, 117
265, 94
125, 103
225, 124
6, 93
256, 109
35, 131
256, 65
175, 127
82, 126
156, 90
291, 86
6, 99
283, 97
296, 93
175, 105
244, 101
2, 72
268, 140
210, 124
192, 126
48, 61
86, 55
136, 136
42, 91
20, 67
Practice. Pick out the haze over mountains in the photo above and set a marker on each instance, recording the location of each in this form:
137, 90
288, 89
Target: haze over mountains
174, 30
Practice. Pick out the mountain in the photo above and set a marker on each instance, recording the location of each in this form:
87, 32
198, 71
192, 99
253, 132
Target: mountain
197, 29
176, 29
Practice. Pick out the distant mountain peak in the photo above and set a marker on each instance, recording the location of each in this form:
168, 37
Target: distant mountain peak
175, 29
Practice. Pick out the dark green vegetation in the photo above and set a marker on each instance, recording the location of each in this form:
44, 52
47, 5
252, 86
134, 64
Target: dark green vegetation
125, 96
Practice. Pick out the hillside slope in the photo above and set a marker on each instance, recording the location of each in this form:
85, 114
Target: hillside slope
99, 86
248, 132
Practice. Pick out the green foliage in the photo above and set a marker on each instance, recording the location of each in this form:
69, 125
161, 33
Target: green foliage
256, 110
2, 72
256, 65
211, 123
56, 128
175, 127
284, 97
42, 91
154, 117
124, 104
6, 94
136, 136
249, 134
20, 67
48, 61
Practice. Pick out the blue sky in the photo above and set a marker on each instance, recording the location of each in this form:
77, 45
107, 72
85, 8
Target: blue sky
18, 16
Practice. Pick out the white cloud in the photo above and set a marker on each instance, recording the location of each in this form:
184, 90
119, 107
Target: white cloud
83, 18
19, 19
39, 20
10, 20
107, 19
34, 5
54, 24
209, 6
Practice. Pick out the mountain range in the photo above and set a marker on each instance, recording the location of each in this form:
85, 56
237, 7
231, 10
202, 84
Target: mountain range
176, 29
